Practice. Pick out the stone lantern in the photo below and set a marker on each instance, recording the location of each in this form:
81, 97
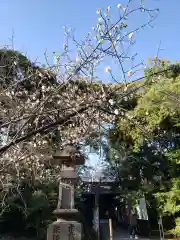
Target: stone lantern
66, 227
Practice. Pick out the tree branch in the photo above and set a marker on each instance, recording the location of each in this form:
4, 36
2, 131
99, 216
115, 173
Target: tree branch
41, 130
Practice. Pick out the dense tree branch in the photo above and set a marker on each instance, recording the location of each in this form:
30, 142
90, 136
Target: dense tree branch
41, 130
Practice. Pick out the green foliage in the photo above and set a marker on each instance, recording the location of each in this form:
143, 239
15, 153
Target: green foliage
169, 202
12, 55
32, 207
146, 139
176, 231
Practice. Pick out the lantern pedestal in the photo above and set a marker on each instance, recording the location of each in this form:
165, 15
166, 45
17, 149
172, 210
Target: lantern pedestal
66, 227
65, 230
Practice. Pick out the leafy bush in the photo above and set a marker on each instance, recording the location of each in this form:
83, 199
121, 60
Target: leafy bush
176, 231
29, 210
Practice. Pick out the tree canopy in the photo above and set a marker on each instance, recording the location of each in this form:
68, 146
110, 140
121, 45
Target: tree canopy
145, 143
135, 121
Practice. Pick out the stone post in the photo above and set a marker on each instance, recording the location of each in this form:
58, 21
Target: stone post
96, 213
66, 227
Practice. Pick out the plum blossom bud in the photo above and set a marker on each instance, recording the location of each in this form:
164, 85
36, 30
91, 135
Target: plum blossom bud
98, 11
130, 73
65, 46
125, 9
114, 43
101, 41
109, 9
108, 69
131, 35
77, 59
119, 5
100, 20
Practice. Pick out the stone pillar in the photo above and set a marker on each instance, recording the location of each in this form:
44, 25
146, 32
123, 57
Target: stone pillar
66, 227
96, 222
96, 217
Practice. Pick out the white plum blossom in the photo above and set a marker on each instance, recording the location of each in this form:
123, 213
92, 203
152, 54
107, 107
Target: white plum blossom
125, 89
108, 69
119, 5
116, 111
43, 88
131, 35
111, 101
100, 20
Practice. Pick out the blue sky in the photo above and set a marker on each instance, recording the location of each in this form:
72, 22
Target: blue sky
37, 25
